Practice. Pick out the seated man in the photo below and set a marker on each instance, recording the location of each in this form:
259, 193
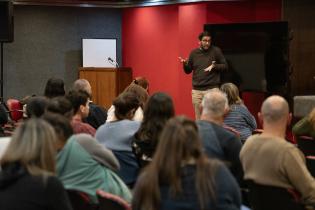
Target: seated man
268, 159
217, 141
97, 115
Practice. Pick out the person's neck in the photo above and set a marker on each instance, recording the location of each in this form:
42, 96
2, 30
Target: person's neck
215, 120
275, 130
77, 116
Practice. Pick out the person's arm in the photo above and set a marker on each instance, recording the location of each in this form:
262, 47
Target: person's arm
220, 63
249, 118
187, 64
99, 152
56, 194
294, 168
227, 190
302, 127
232, 147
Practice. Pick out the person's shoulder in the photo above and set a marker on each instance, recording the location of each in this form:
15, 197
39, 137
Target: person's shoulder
220, 130
196, 50
214, 47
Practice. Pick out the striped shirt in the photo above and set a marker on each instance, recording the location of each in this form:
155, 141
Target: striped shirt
241, 120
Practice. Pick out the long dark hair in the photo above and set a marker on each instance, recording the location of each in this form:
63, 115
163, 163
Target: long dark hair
157, 111
54, 87
179, 144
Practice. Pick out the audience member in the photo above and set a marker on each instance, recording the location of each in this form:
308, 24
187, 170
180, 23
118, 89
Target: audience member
97, 114
306, 126
157, 111
60, 105
80, 104
54, 87
143, 82
142, 96
118, 135
180, 176
83, 164
217, 141
36, 106
27, 178
238, 116
268, 159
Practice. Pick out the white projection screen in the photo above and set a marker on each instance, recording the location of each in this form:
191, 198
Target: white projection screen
96, 52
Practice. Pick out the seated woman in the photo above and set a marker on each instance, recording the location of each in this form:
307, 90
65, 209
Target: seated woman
306, 126
27, 178
83, 164
118, 135
54, 87
80, 103
180, 175
157, 111
142, 96
238, 117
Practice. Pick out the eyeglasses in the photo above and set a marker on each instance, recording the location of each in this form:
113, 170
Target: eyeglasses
206, 40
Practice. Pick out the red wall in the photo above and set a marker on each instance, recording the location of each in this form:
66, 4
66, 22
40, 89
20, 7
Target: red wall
154, 37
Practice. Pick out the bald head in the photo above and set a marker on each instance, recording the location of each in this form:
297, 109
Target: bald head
214, 103
274, 109
82, 84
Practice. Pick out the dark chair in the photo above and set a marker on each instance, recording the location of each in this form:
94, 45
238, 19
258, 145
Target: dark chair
108, 201
264, 197
306, 144
310, 164
80, 201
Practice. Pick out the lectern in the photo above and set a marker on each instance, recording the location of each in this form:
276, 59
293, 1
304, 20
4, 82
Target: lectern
106, 83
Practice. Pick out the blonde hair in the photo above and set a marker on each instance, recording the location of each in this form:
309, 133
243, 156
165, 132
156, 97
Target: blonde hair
232, 93
33, 146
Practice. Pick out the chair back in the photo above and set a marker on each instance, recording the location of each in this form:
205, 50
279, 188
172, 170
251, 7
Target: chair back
310, 164
15, 109
306, 144
109, 201
264, 197
80, 200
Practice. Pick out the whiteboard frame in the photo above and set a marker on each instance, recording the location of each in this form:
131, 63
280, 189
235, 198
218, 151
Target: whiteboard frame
96, 51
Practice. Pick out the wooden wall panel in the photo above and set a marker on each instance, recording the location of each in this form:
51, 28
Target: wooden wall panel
300, 15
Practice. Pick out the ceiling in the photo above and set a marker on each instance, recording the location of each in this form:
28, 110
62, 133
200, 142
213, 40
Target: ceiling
107, 3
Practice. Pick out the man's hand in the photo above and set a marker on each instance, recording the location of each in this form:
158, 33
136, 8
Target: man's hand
209, 68
182, 60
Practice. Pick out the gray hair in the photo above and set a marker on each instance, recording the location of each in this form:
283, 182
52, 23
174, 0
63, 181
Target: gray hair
214, 103
274, 108
82, 84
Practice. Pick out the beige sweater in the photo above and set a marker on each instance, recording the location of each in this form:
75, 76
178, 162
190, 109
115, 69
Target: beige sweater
273, 161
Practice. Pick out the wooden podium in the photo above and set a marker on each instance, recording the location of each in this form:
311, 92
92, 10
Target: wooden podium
106, 83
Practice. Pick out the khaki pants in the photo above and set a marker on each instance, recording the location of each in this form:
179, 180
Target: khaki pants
197, 96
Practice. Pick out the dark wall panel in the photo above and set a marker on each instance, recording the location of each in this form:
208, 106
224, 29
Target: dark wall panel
48, 44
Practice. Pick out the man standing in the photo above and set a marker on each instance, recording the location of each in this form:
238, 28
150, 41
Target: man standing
206, 63
268, 159
217, 141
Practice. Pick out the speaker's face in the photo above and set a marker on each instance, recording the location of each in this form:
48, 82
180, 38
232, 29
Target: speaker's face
205, 42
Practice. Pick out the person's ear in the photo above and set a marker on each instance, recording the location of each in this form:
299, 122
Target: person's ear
131, 114
289, 120
226, 110
260, 118
82, 108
